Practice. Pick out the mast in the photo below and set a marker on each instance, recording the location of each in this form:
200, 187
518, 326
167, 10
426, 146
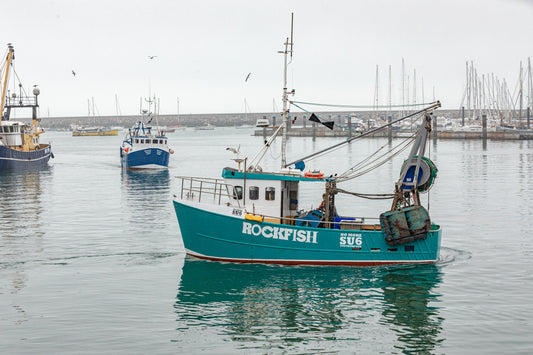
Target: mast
376, 94
10, 57
529, 85
178, 107
390, 91
521, 95
414, 87
285, 98
403, 89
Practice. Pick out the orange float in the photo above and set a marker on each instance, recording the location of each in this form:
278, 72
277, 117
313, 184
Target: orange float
314, 174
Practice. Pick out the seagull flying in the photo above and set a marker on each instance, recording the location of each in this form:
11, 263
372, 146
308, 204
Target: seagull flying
247, 77
236, 151
73, 73
151, 56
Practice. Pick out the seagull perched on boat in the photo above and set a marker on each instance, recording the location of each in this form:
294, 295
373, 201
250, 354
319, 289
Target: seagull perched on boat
73, 73
152, 56
236, 151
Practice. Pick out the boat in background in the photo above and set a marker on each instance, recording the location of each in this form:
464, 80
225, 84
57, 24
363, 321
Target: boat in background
167, 130
20, 146
97, 130
262, 122
208, 127
94, 131
145, 147
252, 216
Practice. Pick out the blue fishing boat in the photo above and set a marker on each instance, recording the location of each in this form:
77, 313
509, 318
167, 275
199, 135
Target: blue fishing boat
252, 216
145, 147
20, 147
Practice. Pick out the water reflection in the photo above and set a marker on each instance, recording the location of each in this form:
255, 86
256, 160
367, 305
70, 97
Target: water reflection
147, 196
21, 205
289, 307
150, 186
21, 224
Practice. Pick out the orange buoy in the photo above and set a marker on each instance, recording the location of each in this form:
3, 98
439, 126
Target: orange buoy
314, 174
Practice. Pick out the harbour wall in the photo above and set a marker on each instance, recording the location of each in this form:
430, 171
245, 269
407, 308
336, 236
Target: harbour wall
217, 119
300, 126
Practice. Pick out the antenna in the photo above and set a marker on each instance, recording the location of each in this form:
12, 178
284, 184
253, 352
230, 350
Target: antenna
292, 22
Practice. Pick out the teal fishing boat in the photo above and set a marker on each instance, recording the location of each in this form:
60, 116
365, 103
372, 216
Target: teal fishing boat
252, 216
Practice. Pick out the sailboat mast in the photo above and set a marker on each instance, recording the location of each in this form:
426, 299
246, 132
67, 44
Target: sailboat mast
10, 57
521, 95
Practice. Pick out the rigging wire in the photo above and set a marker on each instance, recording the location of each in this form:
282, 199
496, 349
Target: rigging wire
364, 106
20, 81
367, 196
370, 132
377, 162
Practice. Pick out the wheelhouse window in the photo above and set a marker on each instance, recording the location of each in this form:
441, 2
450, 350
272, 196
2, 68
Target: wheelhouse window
270, 193
253, 193
237, 192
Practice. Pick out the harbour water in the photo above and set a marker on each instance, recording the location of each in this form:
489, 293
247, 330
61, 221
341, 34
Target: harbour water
91, 259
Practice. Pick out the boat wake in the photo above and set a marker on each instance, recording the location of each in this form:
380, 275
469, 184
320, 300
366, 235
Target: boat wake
451, 255
68, 259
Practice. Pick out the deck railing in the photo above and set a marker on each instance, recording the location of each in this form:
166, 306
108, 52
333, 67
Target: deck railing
21, 101
202, 189
359, 223
218, 192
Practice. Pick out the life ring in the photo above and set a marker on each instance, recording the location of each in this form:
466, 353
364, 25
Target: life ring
314, 174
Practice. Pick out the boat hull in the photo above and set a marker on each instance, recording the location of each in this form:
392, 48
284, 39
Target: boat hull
218, 236
12, 159
150, 158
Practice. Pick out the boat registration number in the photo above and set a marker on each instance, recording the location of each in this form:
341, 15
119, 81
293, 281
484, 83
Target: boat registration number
351, 240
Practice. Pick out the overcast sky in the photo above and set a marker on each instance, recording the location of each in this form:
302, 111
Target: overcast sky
205, 49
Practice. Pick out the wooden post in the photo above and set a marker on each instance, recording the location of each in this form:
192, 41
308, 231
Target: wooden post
434, 129
390, 129
484, 122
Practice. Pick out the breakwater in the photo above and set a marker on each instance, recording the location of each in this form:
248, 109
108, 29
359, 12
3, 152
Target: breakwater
299, 124
216, 119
